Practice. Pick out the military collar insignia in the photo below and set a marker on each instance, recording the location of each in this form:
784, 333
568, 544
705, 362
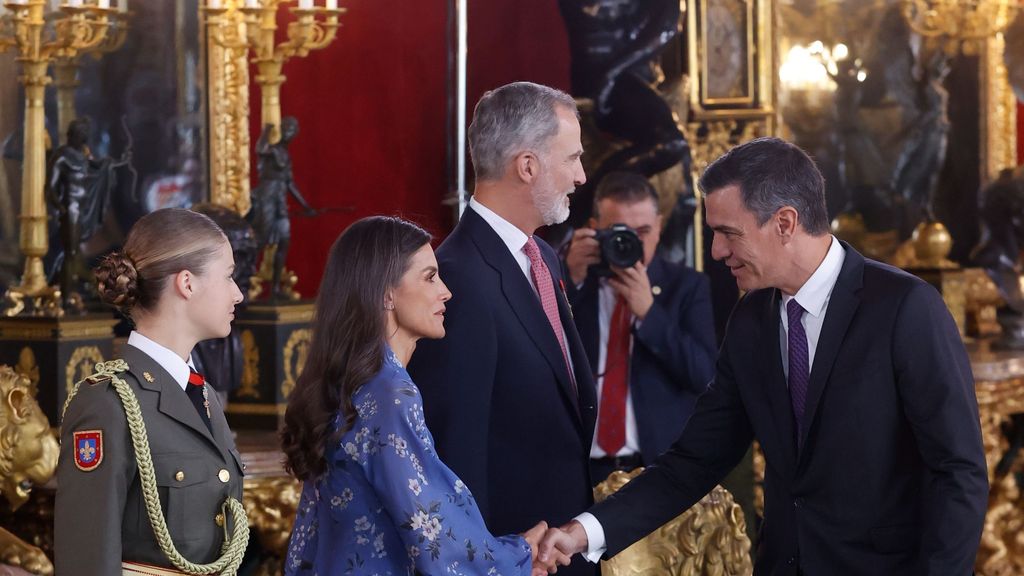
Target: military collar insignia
149, 377
88, 449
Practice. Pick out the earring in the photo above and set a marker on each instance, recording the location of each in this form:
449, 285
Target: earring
389, 306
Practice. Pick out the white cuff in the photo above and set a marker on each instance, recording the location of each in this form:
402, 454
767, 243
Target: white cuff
595, 536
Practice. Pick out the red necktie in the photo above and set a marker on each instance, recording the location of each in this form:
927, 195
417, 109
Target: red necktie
546, 289
611, 426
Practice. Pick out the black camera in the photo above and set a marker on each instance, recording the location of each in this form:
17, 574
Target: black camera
620, 247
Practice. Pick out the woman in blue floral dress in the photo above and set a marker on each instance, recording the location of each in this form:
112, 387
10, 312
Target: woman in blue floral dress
376, 499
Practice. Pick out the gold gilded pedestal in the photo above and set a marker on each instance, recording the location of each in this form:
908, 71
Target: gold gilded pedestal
999, 381
709, 539
55, 352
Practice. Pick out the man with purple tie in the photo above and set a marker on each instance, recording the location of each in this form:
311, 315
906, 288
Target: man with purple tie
852, 376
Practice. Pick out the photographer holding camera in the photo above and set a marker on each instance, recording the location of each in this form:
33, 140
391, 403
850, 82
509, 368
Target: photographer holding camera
646, 325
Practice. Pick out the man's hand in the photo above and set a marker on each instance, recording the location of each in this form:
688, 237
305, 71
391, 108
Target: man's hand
561, 543
583, 252
533, 537
635, 287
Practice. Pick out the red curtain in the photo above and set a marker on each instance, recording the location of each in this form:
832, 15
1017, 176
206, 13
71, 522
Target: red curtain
372, 109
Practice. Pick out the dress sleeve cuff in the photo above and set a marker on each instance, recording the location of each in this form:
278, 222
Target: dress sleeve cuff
595, 536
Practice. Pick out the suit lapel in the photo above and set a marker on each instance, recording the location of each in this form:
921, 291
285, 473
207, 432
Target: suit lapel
521, 298
173, 402
778, 389
587, 322
842, 306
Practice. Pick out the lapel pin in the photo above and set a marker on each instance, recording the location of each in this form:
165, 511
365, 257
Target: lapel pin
149, 377
655, 290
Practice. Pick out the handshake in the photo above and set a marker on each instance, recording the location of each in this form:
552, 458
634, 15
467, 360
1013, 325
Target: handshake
554, 547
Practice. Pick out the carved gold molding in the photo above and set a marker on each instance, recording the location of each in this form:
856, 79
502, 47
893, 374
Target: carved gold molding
250, 367
998, 112
295, 352
228, 101
29, 368
39, 328
81, 364
709, 539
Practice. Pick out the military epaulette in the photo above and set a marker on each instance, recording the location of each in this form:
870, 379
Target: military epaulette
105, 371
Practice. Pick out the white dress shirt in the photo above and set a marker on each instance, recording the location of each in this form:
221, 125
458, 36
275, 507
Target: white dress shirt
168, 360
813, 296
605, 309
515, 239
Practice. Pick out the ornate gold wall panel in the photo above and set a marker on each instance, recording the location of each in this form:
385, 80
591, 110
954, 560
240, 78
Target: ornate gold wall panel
228, 101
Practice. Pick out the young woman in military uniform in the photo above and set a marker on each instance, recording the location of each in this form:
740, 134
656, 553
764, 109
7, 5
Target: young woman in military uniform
149, 480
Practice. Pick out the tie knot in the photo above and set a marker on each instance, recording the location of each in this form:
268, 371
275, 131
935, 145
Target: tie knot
794, 310
195, 378
532, 250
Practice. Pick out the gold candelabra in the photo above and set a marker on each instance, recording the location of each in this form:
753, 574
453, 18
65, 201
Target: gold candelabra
314, 28
959, 24
77, 27
65, 69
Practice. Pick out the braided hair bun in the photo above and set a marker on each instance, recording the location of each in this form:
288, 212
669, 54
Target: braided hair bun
117, 281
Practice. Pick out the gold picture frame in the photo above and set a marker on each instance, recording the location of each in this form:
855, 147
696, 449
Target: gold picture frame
730, 56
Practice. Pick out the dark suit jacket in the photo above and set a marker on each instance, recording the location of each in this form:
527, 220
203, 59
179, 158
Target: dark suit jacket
100, 517
891, 477
673, 356
496, 390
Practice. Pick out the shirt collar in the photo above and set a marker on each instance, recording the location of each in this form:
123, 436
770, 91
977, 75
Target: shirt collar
513, 237
168, 360
814, 294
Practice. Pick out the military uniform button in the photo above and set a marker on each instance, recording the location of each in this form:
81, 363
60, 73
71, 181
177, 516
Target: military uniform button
179, 476
219, 519
224, 476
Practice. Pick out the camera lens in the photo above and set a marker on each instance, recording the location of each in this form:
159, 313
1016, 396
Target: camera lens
622, 248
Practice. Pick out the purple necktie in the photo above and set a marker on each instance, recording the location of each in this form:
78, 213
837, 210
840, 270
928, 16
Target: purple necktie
799, 373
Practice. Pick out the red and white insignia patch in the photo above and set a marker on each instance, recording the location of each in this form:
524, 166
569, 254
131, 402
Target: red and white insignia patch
88, 449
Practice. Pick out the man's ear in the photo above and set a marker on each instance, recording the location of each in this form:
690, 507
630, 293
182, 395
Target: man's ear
786, 221
527, 166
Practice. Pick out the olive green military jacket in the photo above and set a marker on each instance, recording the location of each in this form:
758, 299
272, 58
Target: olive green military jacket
100, 516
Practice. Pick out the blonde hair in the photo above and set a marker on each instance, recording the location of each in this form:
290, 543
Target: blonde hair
159, 245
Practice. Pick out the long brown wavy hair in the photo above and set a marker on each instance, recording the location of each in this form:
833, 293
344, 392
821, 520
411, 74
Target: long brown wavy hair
347, 348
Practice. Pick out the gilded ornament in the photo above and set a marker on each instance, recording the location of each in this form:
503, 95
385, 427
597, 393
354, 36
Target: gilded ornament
250, 367
81, 365
295, 351
709, 539
28, 457
28, 368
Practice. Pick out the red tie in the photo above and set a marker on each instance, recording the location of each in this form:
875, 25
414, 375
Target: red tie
546, 289
611, 426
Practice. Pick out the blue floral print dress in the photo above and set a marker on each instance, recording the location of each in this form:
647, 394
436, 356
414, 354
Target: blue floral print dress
388, 506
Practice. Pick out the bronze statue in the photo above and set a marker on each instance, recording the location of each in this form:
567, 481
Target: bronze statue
221, 359
78, 188
28, 456
615, 46
269, 212
999, 251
